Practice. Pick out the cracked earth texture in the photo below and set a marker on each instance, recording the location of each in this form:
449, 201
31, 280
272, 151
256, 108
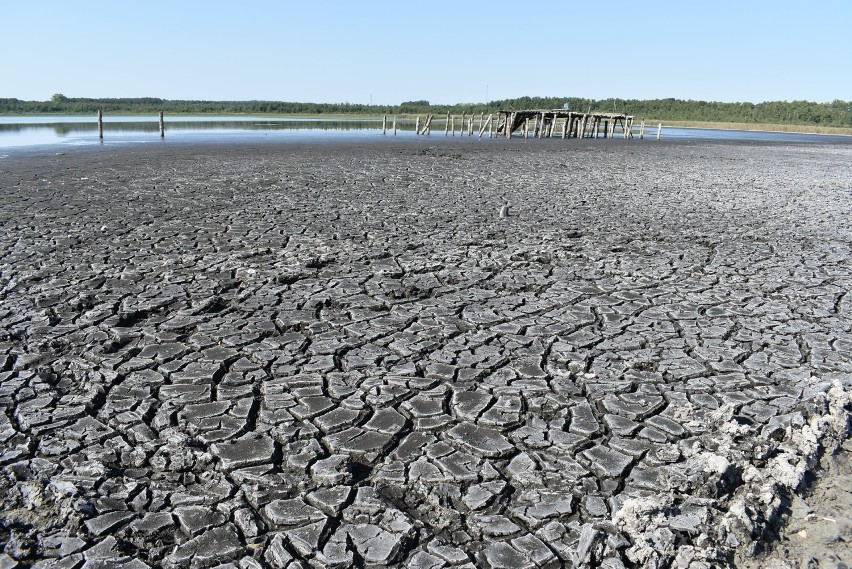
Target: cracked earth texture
331, 356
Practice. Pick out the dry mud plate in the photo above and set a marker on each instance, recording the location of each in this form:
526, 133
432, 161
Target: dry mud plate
333, 356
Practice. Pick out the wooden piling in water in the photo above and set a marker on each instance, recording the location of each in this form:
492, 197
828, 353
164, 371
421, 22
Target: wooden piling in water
162, 126
642, 129
394, 126
447, 126
384, 124
427, 127
470, 126
659, 130
100, 125
510, 121
417, 125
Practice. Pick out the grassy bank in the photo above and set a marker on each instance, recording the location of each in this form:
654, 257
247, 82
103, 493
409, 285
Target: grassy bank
755, 126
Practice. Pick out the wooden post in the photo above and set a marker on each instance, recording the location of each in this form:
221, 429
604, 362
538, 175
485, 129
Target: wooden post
642, 128
484, 125
481, 118
417, 125
394, 125
564, 127
447, 127
453, 123
427, 127
526, 128
659, 130
491, 126
100, 125
385, 124
470, 126
461, 126
510, 122
162, 126
542, 126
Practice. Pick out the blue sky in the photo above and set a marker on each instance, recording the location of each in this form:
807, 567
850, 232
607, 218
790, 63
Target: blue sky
442, 51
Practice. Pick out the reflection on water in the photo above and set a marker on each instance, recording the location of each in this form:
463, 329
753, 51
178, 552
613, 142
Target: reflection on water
31, 131
76, 128
82, 130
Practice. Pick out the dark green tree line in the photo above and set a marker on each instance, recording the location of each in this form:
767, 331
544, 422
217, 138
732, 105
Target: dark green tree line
836, 113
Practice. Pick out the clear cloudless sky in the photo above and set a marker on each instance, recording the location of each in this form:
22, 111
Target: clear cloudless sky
442, 51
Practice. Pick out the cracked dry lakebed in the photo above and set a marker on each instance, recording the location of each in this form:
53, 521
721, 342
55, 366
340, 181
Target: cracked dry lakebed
335, 355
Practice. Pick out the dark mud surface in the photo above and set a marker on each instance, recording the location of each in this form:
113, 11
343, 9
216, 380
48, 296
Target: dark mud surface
333, 356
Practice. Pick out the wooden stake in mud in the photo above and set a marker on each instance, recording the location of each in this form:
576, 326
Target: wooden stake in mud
470, 126
417, 125
394, 126
162, 126
659, 130
526, 128
447, 126
453, 125
385, 124
642, 129
100, 125
461, 126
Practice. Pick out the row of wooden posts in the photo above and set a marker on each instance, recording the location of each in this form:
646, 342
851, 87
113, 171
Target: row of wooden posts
574, 125
101, 125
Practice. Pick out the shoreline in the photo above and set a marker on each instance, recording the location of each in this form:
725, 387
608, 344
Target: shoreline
332, 352
235, 142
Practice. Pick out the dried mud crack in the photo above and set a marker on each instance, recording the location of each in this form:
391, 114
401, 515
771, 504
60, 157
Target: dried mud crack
339, 355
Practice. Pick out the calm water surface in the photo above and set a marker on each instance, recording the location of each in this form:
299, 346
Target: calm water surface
60, 131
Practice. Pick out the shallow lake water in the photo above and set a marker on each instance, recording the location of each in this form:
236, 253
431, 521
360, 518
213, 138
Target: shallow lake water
50, 131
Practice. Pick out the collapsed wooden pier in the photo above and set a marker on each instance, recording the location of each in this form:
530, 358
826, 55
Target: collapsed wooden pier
538, 123
573, 124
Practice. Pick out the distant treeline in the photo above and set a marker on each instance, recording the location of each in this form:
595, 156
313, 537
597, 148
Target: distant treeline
836, 113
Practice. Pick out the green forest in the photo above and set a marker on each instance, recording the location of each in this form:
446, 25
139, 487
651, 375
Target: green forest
835, 114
